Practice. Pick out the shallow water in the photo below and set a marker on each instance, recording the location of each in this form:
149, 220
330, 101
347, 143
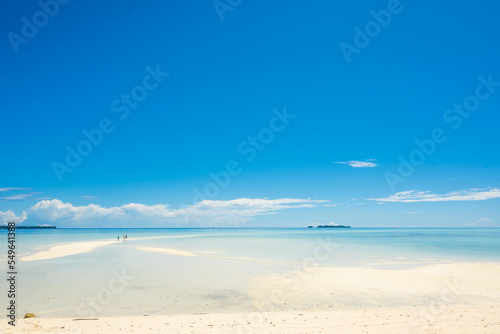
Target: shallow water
119, 279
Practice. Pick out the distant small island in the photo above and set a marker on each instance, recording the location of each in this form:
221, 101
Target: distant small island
330, 226
24, 227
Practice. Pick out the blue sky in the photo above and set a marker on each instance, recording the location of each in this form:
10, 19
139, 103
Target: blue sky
299, 130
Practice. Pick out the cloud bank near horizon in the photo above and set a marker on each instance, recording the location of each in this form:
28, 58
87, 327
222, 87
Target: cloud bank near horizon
207, 213
9, 216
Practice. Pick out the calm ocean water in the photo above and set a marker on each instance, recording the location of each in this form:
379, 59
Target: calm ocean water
454, 243
227, 261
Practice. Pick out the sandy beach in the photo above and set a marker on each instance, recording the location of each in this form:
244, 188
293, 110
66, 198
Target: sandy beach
443, 298
453, 320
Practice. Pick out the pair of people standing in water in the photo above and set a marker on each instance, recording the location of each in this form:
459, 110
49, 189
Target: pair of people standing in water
124, 237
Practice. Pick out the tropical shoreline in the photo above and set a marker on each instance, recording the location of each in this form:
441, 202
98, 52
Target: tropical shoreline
478, 319
443, 298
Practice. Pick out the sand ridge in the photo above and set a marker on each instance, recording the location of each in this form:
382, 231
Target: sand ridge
85, 247
68, 249
359, 287
169, 251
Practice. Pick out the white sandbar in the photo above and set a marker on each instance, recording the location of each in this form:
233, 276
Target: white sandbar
68, 249
170, 251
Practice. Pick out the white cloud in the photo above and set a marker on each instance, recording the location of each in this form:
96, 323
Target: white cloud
17, 197
331, 205
427, 196
359, 164
10, 216
90, 197
11, 188
483, 222
204, 213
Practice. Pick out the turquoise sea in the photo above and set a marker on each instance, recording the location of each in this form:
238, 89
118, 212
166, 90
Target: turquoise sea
120, 279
